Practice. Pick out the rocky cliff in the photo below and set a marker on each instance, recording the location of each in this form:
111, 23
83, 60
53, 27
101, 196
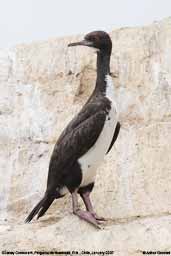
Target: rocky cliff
43, 85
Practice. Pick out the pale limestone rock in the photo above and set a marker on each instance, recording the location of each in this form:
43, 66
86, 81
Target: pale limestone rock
43, 85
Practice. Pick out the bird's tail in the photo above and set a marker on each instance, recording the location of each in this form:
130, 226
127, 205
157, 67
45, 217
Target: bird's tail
41, 207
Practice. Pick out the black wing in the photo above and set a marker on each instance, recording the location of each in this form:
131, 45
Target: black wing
115, 136
72, 145
89, 109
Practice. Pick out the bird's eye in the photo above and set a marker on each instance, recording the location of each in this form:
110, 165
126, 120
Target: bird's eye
90, 38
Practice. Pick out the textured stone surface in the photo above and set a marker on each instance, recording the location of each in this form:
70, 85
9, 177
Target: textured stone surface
124, 237
43, 85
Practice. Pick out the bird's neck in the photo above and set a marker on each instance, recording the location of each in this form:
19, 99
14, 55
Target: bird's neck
103, 69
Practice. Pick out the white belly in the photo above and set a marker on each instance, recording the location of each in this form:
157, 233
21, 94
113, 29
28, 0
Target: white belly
92, 159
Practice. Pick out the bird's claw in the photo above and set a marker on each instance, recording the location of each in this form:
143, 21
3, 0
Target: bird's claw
98, 218
89, 217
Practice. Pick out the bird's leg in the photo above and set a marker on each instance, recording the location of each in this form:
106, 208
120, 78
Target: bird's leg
86, 199
85, 215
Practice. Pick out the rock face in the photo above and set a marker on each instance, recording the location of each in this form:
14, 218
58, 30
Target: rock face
43, 85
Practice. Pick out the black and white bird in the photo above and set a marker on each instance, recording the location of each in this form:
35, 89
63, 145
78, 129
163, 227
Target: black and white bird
86, 140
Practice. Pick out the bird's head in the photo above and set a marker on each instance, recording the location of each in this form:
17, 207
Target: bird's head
99, 40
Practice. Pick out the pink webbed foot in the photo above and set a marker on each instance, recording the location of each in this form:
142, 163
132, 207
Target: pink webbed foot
87, 216
99, 218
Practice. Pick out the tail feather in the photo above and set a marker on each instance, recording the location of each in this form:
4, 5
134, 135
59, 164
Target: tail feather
45, 207
40, 208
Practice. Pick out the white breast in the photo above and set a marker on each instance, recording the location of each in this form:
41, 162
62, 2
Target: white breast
92, 159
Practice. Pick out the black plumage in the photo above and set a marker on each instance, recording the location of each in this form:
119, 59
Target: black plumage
115, 136
79, 136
